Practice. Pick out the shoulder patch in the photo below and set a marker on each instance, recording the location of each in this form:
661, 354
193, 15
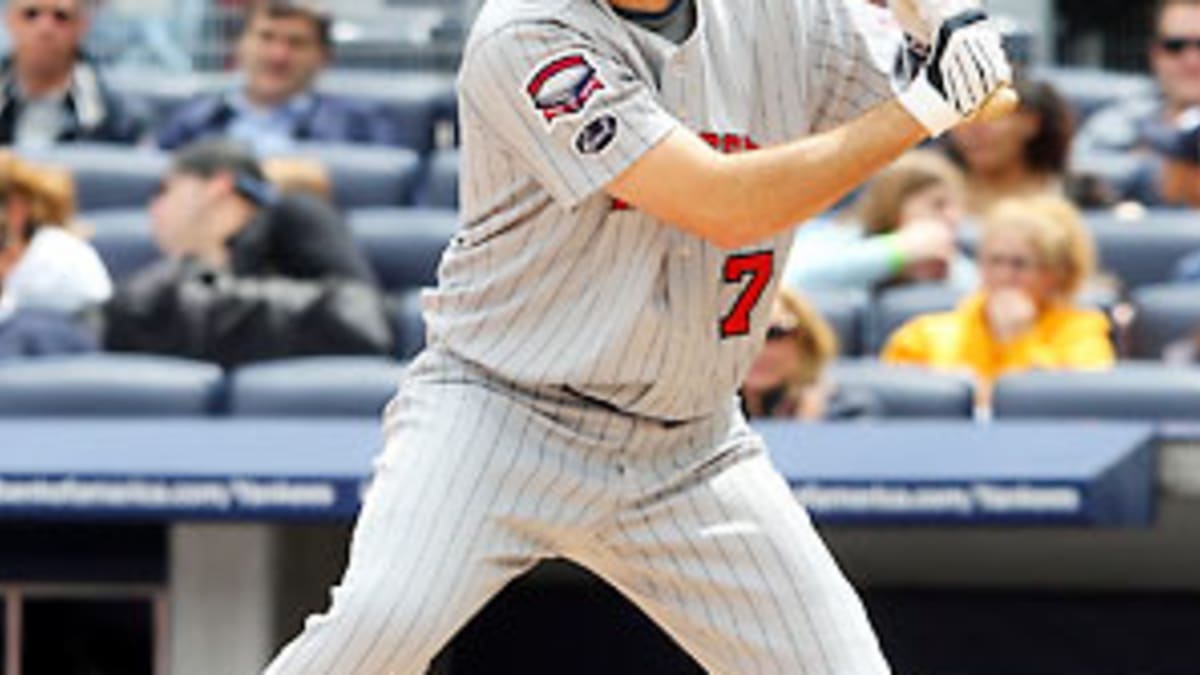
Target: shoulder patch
597, 135
563, 86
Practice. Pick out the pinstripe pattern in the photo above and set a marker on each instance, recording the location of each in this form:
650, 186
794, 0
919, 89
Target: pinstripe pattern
576, 397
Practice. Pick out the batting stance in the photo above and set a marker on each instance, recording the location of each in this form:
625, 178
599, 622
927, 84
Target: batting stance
632, 171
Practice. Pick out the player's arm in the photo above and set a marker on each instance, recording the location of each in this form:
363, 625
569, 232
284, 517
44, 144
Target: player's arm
736, 200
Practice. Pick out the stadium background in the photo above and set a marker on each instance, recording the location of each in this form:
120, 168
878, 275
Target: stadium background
101, 589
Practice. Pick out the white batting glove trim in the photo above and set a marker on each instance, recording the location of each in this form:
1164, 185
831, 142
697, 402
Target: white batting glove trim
929, 107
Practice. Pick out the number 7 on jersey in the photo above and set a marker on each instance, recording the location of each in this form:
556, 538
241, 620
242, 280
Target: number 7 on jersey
759, 267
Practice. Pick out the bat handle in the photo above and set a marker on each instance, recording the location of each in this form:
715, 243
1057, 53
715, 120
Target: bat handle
1001, 103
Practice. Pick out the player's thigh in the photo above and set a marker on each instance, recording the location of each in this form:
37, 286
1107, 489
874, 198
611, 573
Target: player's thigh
429, 547
734, 570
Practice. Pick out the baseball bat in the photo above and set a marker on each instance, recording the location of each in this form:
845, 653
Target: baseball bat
1001, 103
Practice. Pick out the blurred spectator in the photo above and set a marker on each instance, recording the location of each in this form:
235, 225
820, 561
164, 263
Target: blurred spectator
1017, 155
250, 273
902, 230
49, 277
1185, 352
283, 48
51, 91
787, 380
1154, 142
1034, 256
296, 174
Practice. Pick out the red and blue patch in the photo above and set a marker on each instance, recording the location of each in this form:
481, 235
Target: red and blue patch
564, 86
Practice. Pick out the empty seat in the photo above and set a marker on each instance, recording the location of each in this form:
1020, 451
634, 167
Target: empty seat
1141, 391
108, 385
892, 308
905, 391
404, 246
322, 386
107, 176
123, 239
1145, 251
365, 176
1164, 314
846, 313
408, 323
439, 188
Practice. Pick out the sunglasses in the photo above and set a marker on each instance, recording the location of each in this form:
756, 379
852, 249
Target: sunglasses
1178, 45
60, 16
777, 332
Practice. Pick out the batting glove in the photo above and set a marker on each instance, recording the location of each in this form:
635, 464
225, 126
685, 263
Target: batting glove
966, 65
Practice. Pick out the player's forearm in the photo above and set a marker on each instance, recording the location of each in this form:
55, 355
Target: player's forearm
764, 192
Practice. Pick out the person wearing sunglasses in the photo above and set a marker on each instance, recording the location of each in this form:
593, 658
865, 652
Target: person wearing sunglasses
1035, 255
1148, 148
50, 89
787, 380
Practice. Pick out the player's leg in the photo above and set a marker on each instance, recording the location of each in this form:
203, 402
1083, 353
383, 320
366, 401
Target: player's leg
428, 549
730, 565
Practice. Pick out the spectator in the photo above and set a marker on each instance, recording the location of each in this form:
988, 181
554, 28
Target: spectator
282, 50
1035, 255
50, 91
1185, 352
787, 380
903, 230
1017, 155
49, 277
249, 273
1149, 148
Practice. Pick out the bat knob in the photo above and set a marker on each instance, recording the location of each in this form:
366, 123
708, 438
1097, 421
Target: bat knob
1002, 103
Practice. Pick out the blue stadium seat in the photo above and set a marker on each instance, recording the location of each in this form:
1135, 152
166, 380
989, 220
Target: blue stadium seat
892, 308
404, 246
845, 311
907, 391
1145, 251
107, 176
417, 99
363, 175
1090, 89
1141, 391
1164, 314
162, 92
319, 386
122, 238
440, 185
408, 324
109, 385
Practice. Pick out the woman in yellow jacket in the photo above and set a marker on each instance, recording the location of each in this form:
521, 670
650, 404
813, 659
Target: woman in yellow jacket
1034, 256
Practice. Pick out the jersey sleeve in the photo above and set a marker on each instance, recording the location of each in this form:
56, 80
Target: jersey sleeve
856, 48
576, 114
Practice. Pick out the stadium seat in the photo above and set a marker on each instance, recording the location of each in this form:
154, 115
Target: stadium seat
404, 246
1164, 314
892, 308
122, 238
107, 176
408, 325
1141, 391
319, 386
109, 385
907, 391
1090, 89
1145, 251
846, 313
439, 188
365, 176
417, 99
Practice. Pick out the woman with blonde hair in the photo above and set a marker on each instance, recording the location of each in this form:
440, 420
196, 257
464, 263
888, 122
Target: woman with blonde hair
787, 380
902, 229
1035, 254
44, 265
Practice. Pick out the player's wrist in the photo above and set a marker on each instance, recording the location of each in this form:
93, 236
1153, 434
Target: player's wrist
929, 107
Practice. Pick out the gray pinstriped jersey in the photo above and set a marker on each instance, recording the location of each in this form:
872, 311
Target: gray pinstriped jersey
552, 282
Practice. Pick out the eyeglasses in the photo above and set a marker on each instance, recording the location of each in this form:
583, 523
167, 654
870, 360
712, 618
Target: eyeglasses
1177, 45
1016, 262
779, 332
60, 16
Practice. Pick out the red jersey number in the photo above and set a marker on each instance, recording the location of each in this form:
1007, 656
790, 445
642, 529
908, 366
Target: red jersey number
759, 267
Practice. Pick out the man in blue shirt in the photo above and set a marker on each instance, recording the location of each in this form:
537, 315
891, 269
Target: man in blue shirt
283, 49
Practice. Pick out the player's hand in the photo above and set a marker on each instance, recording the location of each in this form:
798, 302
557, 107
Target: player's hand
921, 19
966, 66
926, 240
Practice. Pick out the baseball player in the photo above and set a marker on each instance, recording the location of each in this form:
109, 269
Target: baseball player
632, 171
